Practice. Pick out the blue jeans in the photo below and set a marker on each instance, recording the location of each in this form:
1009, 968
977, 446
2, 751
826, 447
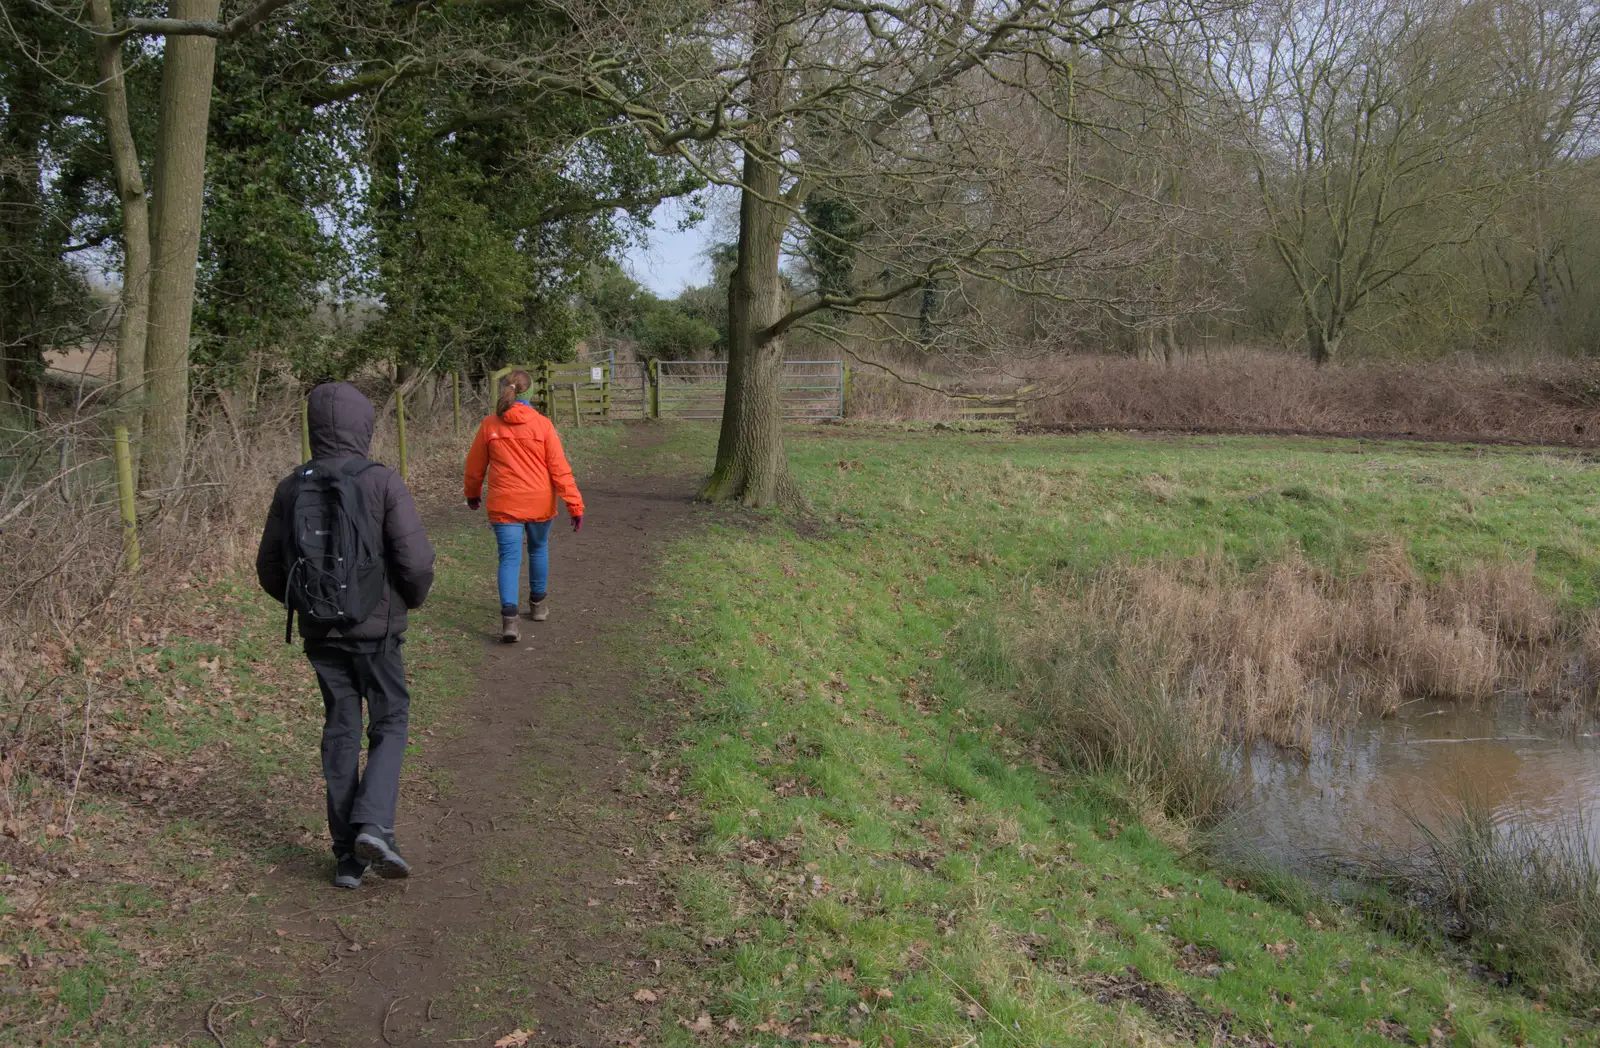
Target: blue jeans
509, 537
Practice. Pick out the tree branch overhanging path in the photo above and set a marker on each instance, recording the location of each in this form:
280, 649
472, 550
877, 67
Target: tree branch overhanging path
785, 101
876, 107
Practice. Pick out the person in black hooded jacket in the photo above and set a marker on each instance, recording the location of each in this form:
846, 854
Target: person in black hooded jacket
362, 661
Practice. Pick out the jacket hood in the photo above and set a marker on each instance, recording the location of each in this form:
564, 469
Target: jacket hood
519, 414
341, 420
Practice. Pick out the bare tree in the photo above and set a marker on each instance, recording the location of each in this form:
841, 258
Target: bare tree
1357, 117
1546, 54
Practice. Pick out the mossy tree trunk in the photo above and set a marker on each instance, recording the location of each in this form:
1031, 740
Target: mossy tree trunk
752, 466
178, 194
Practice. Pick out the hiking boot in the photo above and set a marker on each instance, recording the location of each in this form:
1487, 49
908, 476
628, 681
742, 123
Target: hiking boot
539, 610
510, 633
377, 846
348, 870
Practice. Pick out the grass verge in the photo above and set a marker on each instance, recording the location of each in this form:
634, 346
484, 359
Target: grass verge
892, 858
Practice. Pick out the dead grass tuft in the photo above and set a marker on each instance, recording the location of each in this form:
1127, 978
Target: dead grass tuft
1249, 390
1152, 673
1273, 653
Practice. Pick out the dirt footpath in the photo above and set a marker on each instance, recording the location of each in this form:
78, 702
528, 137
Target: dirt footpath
535, 848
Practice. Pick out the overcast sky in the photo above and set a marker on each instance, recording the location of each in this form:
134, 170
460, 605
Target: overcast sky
671, 260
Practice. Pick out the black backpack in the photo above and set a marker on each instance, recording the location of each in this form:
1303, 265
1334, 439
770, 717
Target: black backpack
332, 547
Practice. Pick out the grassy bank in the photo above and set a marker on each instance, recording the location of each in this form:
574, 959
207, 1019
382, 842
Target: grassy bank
893, 858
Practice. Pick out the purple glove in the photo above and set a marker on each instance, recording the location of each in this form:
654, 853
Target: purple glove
474, 502
577, 522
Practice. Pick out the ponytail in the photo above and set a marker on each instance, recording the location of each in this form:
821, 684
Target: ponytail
513, 384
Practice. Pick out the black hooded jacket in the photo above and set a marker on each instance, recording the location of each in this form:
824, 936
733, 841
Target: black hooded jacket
341, 422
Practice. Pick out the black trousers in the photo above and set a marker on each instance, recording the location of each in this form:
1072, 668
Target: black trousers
348, 675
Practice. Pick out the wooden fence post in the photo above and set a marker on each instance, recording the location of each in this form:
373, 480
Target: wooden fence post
130, 520
844, 391
605, 392
455, 403
305, 429
577, 416
400, 425
655, 387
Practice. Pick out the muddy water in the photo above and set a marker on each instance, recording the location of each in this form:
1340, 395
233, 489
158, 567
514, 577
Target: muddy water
1362, 785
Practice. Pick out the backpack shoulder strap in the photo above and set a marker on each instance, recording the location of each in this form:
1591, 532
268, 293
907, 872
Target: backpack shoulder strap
356, 466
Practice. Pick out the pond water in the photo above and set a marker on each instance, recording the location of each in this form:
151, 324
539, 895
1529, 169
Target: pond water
1362, 785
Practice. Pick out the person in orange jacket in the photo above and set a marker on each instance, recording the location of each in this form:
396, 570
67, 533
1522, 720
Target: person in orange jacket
529, 470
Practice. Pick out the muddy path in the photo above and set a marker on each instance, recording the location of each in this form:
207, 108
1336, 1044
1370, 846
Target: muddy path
535, 832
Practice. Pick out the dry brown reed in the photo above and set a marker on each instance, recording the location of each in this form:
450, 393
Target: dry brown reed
1273, 653
1152, 674
1245, 390
878, 396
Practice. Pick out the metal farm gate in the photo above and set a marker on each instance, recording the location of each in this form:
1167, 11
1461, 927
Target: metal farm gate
682, 389
694, 389
630, 390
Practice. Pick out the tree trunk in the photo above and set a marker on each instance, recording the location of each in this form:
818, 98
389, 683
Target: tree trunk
1541, 262
133, 328
1323, 337
25, 275
752, 465
178, 194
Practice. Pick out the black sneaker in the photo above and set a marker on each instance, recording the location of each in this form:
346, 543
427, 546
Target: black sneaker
377, 845
348, 870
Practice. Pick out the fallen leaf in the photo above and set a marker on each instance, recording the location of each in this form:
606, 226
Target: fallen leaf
515, 1039
702, 1023
644, 996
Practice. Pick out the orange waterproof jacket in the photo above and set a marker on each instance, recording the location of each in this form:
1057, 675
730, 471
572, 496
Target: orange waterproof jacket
529, 468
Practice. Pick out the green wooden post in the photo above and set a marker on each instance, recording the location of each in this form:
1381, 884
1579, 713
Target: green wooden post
844, 391
655, 388
400, 425
305, 430
130, 520
455, 403
605, 392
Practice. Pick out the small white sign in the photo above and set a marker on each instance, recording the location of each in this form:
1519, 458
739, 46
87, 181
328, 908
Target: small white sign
597, 374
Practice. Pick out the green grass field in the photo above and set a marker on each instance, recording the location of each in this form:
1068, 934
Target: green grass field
884, 857
887, 865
